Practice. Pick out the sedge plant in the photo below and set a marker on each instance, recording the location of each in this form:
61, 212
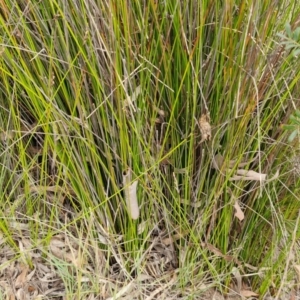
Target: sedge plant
189, 98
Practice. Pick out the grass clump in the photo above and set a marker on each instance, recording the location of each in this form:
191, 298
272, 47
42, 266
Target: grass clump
143, 150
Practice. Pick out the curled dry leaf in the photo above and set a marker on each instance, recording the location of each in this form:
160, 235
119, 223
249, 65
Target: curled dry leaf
248, 294
239, 213
242, 174
130, 195
21, 279
248, 175
219, 253
240, 289
205, 128
66, 252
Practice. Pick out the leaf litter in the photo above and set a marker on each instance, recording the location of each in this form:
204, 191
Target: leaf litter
32, 270
35, 274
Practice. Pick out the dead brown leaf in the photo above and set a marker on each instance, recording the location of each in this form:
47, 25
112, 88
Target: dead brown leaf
248, 294
205, 128
239, 213
219, 253
21, 279
242, 174
21, 295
